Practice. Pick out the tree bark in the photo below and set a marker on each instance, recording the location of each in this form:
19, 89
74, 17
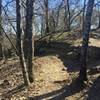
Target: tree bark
83, 15
28, 43
20, 51
86, 30
46, 16
1, 52
58, 14
68, 7
67, 15
42, 26
99, 16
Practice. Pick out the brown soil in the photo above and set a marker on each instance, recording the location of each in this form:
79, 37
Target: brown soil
53, 79
50, 75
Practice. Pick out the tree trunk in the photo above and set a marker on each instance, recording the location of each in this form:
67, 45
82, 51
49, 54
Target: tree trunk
68, 7
1, 53
86, 30
58, 14
28, 38
42, 26
20, 51
99, 16
83, 15
67, 15
46, 16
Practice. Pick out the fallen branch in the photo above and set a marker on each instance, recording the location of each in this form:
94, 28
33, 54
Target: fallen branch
51, 33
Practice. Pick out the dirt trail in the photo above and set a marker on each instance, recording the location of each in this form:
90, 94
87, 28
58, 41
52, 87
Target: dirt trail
50, 75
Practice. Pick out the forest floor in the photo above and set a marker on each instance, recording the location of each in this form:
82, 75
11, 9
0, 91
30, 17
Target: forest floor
56, 72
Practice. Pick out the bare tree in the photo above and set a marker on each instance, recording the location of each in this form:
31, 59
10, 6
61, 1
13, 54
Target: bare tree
67, 14
86, 30
46, 16
99, 15
1, 55
28, 38
83, 13
52, 23
20, 53
58, 13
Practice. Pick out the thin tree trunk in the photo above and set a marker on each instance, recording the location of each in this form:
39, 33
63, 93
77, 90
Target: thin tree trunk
99, 22
83, 14
42, 26
67, 15
68, 7
58, 13
46, 16
87, 25
20, 52
28, 43
99, 16
1, 53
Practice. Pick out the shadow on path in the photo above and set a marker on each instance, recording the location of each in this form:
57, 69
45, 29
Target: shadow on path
94, 91
61, 94
70, 55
